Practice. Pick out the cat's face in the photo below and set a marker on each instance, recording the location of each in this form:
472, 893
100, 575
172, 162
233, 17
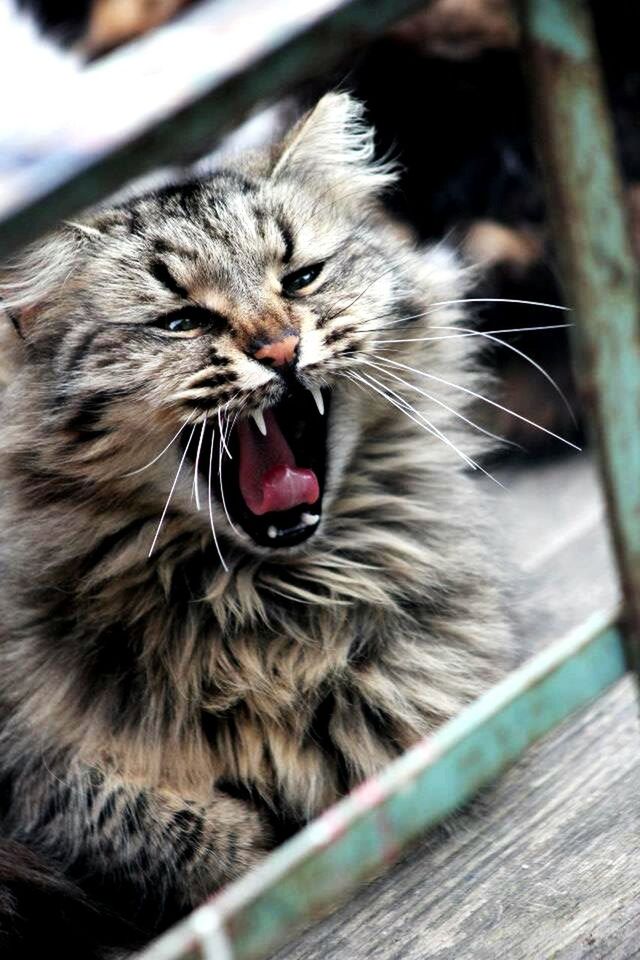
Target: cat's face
230, 309
239, 301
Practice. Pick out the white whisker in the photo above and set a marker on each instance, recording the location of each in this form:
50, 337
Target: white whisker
441, 403
195, 471
478, 396
224, 433
527, 303
493, 339
132, 473
222, 496
404, 406
447, 303
173, 486
470, 461
232, 425
473, 333
363, 384
213, 529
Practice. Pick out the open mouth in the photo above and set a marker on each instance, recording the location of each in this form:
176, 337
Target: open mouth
272, 469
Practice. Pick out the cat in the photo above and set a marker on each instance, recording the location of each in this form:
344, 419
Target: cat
244, 561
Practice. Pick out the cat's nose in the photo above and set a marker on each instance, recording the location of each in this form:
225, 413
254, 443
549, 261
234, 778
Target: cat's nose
280, 353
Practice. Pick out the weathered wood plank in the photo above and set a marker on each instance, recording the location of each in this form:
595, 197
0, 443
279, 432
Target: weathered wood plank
546, 867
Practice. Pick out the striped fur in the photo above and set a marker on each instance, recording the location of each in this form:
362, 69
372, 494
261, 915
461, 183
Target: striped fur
164, 719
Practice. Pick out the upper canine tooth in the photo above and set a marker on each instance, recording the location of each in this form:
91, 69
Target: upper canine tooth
316, 393
258, 416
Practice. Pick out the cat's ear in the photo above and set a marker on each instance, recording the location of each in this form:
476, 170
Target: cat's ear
333, 142
39, 275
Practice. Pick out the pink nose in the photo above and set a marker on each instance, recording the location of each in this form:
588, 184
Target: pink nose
278, 353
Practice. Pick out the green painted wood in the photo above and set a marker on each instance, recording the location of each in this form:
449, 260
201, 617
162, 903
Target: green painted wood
359, 836
589, 220
246, 67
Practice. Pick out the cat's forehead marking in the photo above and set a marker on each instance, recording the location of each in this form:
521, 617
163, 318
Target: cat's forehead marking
236, 251
226, 242
170, 246
233, 230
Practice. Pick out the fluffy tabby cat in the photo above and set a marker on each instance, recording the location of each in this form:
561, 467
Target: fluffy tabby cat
243, 561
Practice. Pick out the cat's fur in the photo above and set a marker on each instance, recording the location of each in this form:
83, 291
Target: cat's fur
164, 719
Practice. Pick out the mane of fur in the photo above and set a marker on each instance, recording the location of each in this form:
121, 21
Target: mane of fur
162, 710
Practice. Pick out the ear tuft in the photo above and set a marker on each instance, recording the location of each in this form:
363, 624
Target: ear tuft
334, 142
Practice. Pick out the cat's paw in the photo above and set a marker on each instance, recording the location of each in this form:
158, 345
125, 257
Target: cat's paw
229, 836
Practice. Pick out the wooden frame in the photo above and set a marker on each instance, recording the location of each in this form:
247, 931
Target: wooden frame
230, 60
368, 829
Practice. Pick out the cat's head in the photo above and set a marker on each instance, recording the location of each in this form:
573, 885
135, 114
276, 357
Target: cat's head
227, 314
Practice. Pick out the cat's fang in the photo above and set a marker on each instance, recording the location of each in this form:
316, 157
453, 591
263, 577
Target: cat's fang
272, 533
309, 519
258, 417
317, 396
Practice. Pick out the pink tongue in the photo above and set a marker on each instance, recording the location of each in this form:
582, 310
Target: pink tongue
269, 478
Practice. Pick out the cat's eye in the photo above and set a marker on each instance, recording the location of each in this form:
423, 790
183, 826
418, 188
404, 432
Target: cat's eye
298, 280
191, 321
180, 324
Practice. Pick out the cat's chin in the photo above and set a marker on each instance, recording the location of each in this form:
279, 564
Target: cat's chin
269, 473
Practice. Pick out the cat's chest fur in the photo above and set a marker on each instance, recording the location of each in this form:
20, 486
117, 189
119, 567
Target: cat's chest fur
288, 708
293, 704
299, 730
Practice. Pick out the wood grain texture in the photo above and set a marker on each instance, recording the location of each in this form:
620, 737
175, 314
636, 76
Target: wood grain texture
546, 866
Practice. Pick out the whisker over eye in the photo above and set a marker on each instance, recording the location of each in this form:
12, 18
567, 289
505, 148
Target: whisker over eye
190, 321
297, 281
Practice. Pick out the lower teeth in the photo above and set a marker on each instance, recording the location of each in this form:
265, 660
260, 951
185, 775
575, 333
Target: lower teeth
306, 520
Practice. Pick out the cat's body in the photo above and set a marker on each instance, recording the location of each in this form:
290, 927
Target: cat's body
166, 718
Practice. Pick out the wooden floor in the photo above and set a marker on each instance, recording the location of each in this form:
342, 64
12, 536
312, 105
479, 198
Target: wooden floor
547, 866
